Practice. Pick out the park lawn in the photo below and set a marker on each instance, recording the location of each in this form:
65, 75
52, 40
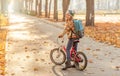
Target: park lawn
105, 32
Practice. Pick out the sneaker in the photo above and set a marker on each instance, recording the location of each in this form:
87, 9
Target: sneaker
67, 65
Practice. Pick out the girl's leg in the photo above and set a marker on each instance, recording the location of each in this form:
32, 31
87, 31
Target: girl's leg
69, 45
76, 44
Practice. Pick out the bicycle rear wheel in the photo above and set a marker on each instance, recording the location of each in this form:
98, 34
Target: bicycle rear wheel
57, 56
82, 64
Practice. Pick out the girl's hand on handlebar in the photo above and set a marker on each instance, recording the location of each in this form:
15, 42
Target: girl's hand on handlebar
60, 36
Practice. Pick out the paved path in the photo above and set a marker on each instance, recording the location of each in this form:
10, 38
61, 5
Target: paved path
30, 40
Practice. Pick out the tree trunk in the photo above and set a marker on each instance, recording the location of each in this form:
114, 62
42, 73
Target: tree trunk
117, 4
98, 5
40, 7
55, 10
108, 5
26, 6
31, 4
65, 5
36, 5
3, 6
49, 8
46, 8
89, 12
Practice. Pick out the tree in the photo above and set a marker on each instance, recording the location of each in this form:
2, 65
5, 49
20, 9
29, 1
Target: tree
26, 6
36, 5
40, 8
65, 5
31, 5
90, 13
55, 10
117, 4
49, 8
46, 8
3, 6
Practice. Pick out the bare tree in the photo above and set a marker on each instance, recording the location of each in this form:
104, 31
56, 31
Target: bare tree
49, 8
65, 5
46, 8
3, 6
26, 6
29, 3
55, 10
36, 5
117, 4
40, 8
90, 13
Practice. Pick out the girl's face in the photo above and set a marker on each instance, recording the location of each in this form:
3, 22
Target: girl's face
68, 16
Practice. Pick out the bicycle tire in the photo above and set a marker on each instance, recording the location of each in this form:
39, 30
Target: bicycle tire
77, 64
57, 62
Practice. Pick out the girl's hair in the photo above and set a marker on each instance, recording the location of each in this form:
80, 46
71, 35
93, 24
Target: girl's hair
71, 12
71, 17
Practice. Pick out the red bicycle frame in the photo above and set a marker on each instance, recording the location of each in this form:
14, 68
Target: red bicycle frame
73, 54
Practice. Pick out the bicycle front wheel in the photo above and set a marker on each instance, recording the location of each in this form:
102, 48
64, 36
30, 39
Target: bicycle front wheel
82, 63
57, 56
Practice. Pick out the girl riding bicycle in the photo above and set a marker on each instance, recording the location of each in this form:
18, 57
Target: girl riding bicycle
69, 29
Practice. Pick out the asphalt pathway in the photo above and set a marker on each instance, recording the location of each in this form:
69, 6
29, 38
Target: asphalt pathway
30, 40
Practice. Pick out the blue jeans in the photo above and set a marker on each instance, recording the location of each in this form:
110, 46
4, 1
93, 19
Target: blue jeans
69, 45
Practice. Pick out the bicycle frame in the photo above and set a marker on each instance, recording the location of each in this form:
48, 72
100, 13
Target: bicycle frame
72, 52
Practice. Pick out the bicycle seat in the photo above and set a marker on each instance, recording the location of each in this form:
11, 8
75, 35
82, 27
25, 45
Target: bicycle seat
76, 41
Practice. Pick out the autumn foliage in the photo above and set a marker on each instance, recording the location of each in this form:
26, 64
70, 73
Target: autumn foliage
105, 32
3, 20
2, 51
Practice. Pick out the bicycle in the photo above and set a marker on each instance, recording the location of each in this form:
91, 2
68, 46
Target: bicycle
60, 57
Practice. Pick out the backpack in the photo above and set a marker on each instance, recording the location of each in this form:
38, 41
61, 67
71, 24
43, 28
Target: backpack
79, 29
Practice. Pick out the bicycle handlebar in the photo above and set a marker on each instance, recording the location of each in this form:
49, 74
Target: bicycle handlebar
62, 40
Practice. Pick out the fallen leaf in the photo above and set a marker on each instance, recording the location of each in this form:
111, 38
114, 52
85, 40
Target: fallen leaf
90, 73
13, 74
102, 70
118, 67
97, 49
49, 63
42, 59
23, 71
109, 52
90, 61
26, 48
34, 49
88, 49
36, 59
22, 67
45, 42
95, 54
35, 69
105, 54
27, 56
